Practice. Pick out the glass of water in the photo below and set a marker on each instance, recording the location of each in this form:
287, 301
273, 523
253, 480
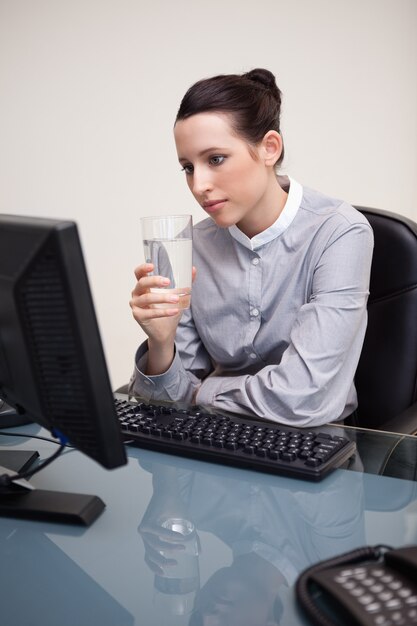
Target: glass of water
168, 244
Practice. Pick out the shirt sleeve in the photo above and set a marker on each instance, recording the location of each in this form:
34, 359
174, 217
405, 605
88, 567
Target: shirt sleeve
183, 378
313, 383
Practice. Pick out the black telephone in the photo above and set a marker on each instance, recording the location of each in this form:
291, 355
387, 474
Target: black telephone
370, 586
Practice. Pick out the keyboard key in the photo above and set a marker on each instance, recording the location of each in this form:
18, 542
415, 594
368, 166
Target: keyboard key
313, 462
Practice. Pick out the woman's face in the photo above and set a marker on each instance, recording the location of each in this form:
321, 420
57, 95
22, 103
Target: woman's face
231, 180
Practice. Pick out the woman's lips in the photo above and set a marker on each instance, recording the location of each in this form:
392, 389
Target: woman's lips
214, 205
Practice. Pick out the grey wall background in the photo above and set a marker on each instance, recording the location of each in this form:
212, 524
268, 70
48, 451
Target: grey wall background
89, 90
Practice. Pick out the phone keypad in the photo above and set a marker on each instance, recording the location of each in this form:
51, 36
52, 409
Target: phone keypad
375, 595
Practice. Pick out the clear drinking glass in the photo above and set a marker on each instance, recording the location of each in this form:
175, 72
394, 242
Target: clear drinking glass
168, 244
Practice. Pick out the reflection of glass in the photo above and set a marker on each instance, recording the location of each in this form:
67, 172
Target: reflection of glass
179, 584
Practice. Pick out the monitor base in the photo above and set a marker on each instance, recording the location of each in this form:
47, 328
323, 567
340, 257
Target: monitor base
26, 502
50, 506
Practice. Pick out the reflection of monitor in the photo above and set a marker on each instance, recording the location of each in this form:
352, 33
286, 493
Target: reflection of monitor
52, 365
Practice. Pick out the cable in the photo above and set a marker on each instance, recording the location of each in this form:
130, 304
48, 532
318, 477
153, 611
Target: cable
30, 436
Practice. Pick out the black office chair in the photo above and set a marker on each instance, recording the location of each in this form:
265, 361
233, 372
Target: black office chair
386, 377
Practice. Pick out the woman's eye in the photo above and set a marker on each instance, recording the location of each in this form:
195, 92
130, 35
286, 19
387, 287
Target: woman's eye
188, 169
217, 159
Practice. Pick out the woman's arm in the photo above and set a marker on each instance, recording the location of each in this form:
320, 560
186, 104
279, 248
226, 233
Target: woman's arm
182, 379
158, 373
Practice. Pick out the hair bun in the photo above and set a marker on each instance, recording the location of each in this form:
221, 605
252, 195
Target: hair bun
265, 77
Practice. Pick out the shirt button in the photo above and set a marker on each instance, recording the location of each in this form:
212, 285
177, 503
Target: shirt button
255, 261
147, 382
252, 355
255, 312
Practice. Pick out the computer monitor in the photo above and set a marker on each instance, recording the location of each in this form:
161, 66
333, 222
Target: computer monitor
52, 364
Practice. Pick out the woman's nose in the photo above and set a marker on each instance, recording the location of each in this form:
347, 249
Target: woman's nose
201, 182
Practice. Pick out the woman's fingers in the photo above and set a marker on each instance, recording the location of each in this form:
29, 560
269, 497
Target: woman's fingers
143, 269
145, 315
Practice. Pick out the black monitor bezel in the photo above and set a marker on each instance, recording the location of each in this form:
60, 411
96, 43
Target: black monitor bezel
19, 382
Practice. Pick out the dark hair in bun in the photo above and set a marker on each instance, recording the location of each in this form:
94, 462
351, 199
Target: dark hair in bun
253, 100
265, 77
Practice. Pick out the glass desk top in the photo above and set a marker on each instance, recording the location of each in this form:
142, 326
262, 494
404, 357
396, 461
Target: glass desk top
245, 538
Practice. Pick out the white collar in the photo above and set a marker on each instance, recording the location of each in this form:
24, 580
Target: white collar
292, 204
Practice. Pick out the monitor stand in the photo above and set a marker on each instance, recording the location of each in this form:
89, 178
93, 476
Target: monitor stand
10, 418
21, 500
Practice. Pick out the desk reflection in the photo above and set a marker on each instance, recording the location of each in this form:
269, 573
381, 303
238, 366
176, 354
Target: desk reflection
41, 584
274, 527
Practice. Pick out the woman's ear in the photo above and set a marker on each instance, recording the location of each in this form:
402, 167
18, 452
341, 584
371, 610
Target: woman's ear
271, 147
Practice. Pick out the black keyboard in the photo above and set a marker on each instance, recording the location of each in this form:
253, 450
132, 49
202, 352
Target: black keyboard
239, 441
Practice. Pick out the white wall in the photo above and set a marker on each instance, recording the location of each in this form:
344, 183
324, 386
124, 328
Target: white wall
89, 90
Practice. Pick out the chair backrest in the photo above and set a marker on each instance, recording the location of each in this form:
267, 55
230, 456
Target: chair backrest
386, 377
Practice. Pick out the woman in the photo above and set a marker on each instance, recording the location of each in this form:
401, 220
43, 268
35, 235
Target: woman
278, 308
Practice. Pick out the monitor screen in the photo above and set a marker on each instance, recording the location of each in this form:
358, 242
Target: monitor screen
52, 364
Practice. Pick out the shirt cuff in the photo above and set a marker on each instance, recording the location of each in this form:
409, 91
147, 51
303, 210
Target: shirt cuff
154, 386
